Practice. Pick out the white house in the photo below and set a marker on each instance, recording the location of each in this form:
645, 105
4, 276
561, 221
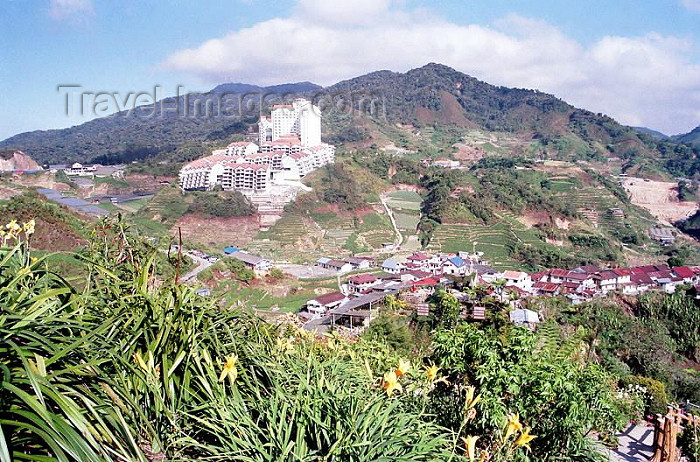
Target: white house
455, 266
518, 279
241, 148
339, 265
392, 266
323, 303
624, 276
524, 317
359, 262
606, 281
361, 282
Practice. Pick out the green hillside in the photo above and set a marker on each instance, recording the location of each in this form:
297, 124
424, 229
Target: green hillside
426, 110
691, 138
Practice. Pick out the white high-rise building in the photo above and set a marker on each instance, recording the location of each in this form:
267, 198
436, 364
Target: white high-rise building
300, 118
264, 130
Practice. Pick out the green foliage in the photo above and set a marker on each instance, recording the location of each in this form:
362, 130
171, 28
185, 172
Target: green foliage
538, 257
130, 369
629, 345
643, 346
680, 314
689, 443
276, 273
446, 308
687, 190
221, 204
239, 270
392, 330
655, 394
544, 381
589, 240
340, 187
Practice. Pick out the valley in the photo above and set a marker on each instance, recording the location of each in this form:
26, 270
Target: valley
502, 226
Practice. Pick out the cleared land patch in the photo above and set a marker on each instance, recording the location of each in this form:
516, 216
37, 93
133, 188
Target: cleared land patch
659, 198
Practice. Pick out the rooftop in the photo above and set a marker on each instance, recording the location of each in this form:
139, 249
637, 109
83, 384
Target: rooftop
363, 279
247, 257
328, 298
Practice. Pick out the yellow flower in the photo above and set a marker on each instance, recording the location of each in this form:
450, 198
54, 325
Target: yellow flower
13, 226
139, 360
470, 446
391, 383
471, 401
230, 370
432, 372
29, 227
514, 425
404, 366
285, 345
525, 438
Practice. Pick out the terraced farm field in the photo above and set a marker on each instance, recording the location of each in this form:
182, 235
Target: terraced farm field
301, 238
405, 206
495, 240
406, 223
406, 200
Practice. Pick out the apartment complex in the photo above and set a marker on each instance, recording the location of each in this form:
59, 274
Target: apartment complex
203, 174
290, 148
301, 118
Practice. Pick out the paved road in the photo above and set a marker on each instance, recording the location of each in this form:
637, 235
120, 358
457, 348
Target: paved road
202, 264
635, 445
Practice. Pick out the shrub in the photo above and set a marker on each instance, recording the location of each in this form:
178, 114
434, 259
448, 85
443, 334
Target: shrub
239, 270
391, 330
655, 393
542, 379
221, 204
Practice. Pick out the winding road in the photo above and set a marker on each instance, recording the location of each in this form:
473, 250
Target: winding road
399, 236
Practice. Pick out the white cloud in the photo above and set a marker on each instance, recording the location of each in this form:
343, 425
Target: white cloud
342, 11
646, 80
70, 10
692, 5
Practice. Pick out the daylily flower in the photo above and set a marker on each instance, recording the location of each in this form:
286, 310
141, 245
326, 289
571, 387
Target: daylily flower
514, 425
391, 383
404, 366
471, 401
29, 227
139, 360
13, 226
285, 345
230, 370
470, 446
432, 372
525, 438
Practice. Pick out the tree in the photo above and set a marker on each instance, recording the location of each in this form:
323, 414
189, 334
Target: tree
446, 308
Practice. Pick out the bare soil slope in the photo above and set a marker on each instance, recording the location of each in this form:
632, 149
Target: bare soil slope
660, 198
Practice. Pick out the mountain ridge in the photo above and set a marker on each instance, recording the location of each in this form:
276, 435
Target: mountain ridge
690, 138
432, 95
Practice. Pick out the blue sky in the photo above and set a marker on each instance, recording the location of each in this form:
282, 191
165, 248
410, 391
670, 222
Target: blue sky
636, 61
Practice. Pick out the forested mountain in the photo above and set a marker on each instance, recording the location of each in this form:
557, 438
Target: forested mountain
299, 87
437, 94
692, 138
431, 96
654, 133
147, 131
